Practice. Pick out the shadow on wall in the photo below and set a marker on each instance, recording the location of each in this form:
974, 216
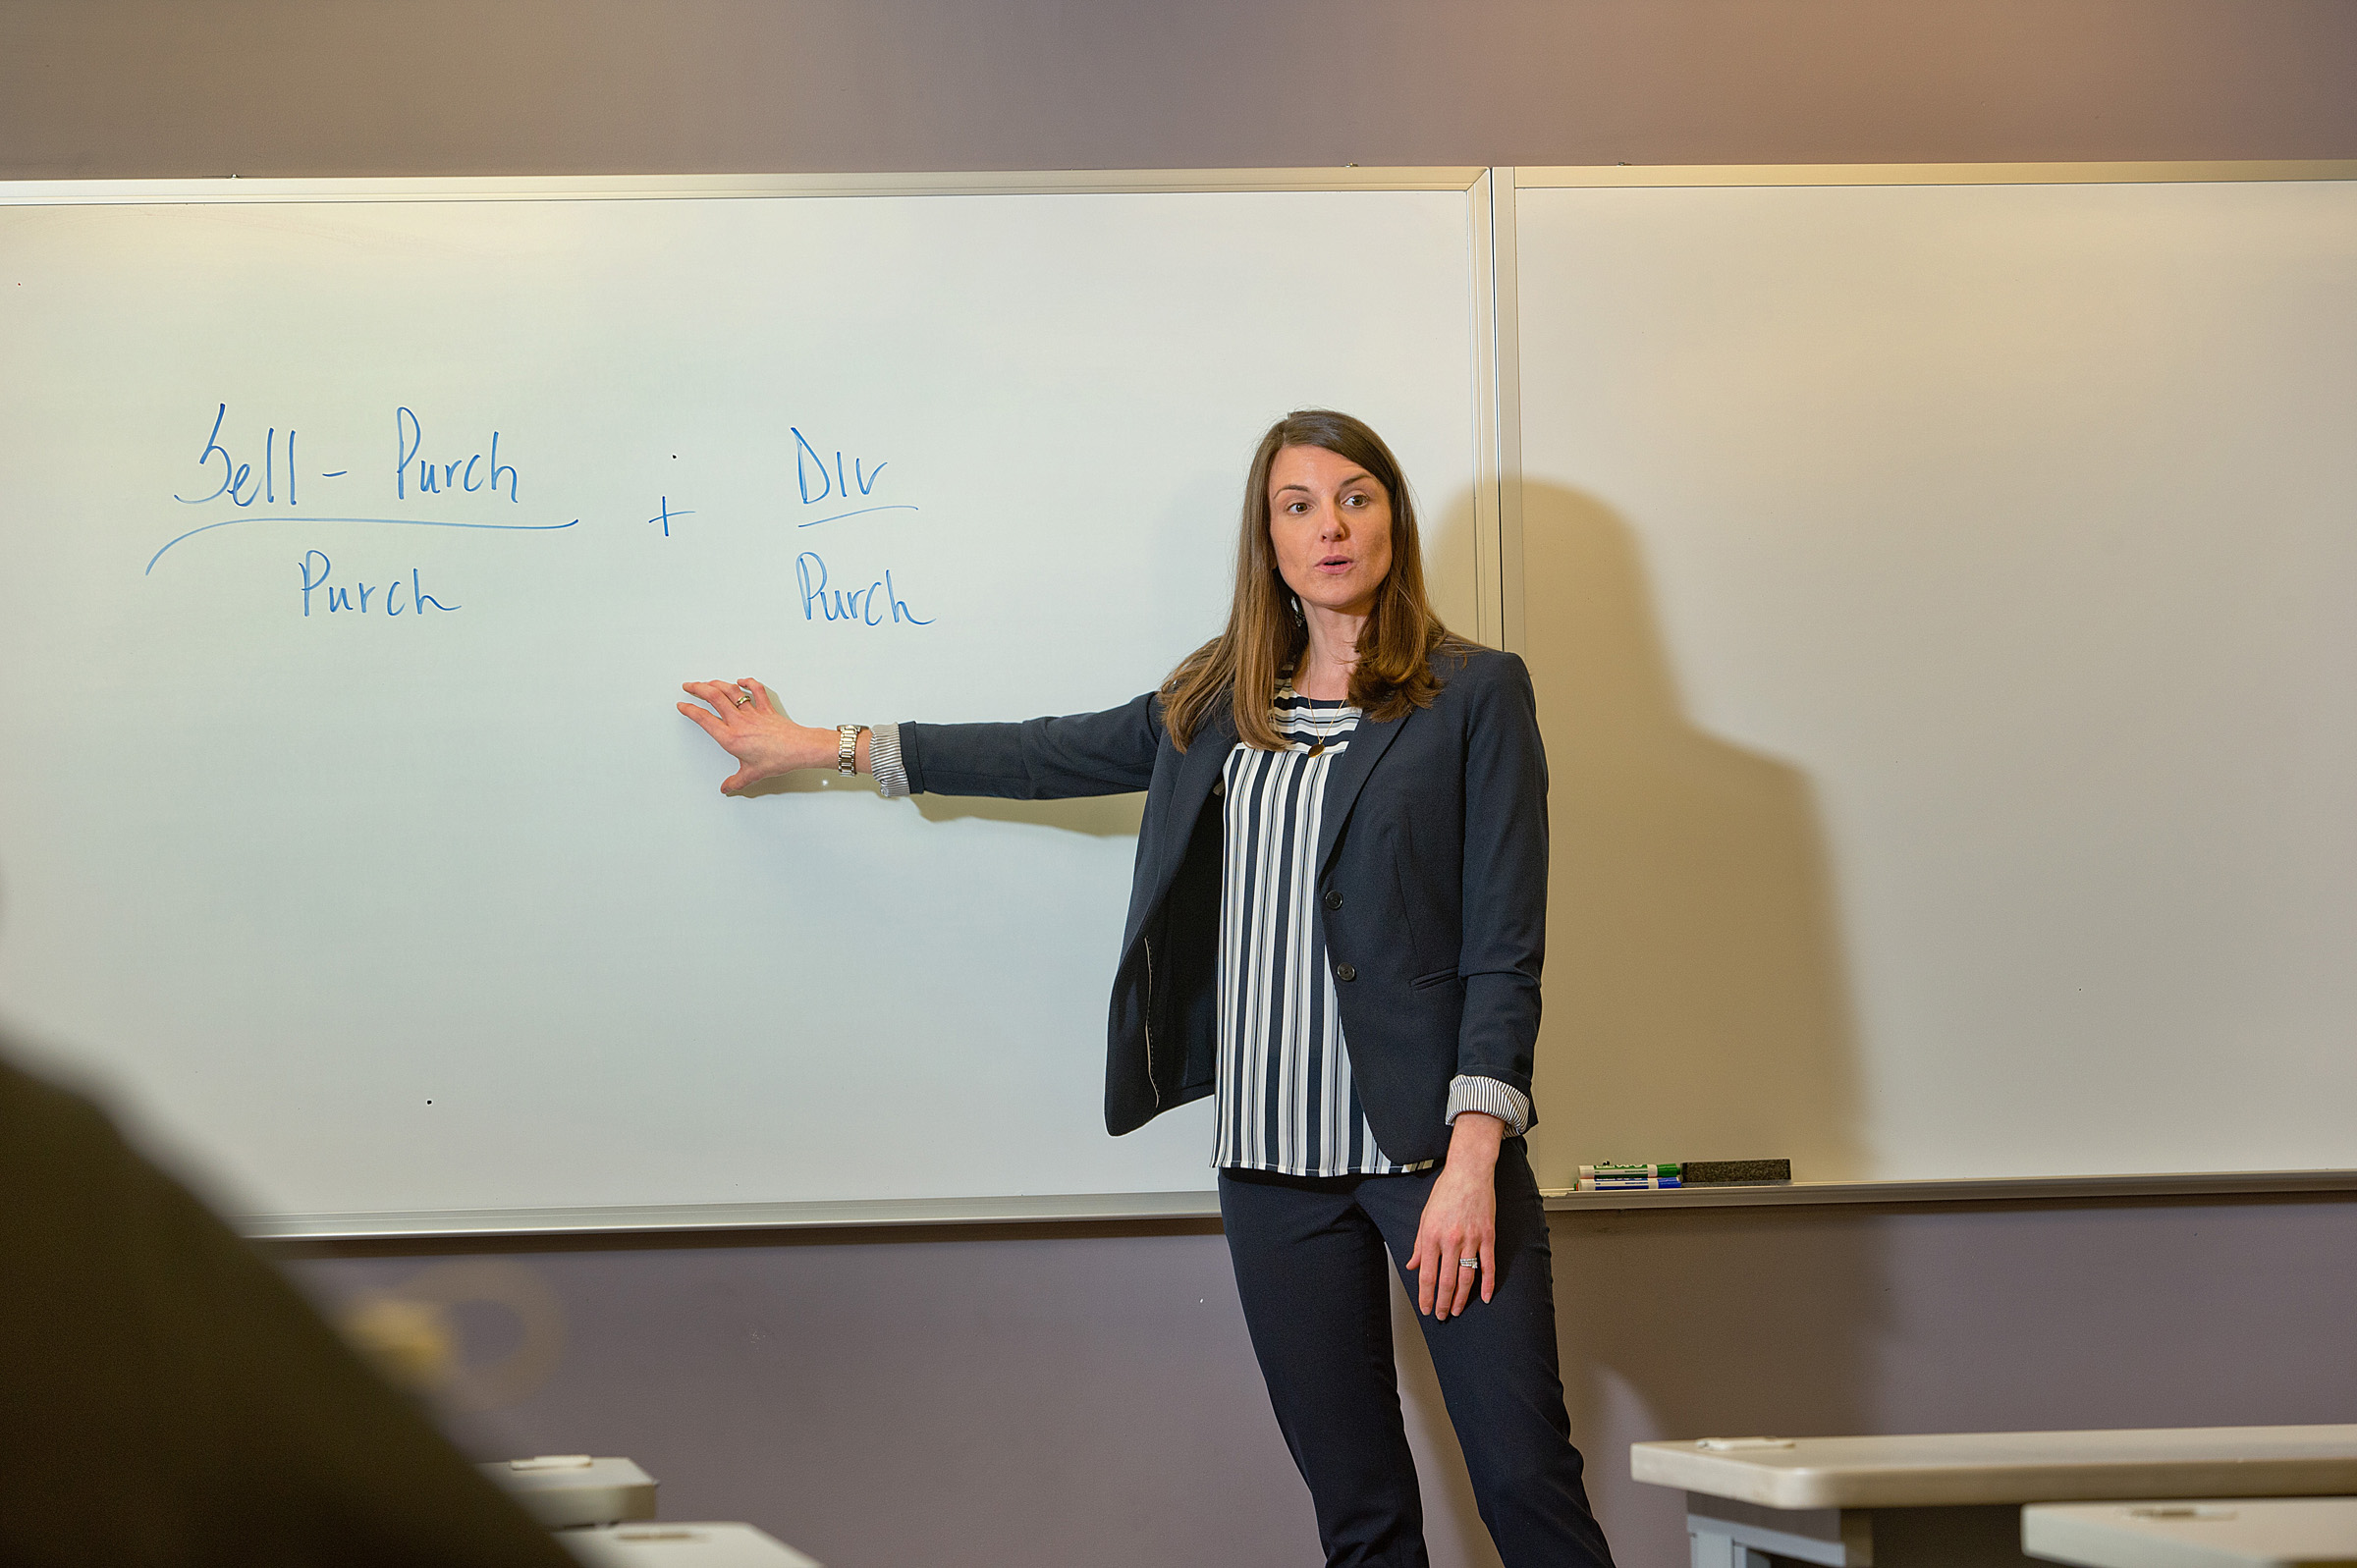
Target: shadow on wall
1697, 1006
1711, 1322
1099, 816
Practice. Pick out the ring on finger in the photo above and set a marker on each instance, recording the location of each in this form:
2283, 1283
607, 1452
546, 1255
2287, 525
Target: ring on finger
743, 699
1469, 1262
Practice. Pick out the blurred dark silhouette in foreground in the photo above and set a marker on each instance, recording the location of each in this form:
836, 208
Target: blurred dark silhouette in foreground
167, 1399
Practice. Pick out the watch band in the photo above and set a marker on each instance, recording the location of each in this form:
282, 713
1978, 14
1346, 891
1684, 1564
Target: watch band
846, 747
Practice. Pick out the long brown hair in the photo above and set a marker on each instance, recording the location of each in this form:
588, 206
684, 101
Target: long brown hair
1266, 638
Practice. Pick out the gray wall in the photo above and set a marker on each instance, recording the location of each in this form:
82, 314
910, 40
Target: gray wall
1070, 1395
1085, 1394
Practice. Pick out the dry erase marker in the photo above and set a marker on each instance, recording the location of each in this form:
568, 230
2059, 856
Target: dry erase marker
1696, 1172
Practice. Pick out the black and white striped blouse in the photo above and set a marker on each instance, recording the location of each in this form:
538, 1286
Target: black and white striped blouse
1285, 1100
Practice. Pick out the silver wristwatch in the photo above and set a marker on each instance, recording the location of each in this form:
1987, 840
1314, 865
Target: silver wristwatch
846, 747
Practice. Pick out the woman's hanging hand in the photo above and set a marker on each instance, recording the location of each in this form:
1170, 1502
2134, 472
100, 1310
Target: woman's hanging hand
750, 727
1460, 1220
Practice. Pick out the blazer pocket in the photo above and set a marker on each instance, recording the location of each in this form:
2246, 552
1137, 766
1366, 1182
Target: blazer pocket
1418, 950
1427, 982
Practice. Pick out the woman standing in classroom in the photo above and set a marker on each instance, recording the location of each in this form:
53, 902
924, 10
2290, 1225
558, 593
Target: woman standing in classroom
1335, 929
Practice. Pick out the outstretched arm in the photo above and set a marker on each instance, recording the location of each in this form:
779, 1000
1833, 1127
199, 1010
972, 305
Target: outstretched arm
1038, 759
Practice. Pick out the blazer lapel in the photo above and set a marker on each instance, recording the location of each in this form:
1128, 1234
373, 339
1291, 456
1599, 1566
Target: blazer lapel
1368, 743
1198, 770
1205, 759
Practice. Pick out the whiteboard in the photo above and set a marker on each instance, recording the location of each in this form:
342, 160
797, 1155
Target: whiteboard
359, 536
1943, 599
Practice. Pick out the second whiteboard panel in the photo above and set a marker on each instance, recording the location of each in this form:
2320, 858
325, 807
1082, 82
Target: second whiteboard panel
1944, 597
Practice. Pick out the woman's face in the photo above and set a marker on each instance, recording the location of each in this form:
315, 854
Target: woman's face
1331, 524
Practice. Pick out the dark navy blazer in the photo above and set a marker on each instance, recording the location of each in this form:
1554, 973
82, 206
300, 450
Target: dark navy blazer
1432, 875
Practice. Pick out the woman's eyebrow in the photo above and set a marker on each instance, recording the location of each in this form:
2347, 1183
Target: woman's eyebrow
1356, 479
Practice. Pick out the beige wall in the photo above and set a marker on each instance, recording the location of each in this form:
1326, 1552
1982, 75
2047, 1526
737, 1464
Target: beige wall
111, 89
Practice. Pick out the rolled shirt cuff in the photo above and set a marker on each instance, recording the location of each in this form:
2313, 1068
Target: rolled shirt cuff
883, 765
1492, 1099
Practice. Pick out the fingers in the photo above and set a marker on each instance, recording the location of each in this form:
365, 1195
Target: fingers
725, 723
711, 723
730, 697
720, 694
745, 717
1451, 1297
1429, 1262
763, 702
1456, 1248
1467, 1261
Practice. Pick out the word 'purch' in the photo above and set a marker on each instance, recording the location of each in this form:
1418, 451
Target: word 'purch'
861, 606
338, 598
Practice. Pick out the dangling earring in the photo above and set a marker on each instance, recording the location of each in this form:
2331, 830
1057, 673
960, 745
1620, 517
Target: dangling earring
1297, 620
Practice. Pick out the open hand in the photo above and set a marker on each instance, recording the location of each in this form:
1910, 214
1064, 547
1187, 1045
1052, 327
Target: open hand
1460, 1222
750, 728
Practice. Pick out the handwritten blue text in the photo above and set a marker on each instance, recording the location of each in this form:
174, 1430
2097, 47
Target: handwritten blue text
437, 477
337, 599
857, 606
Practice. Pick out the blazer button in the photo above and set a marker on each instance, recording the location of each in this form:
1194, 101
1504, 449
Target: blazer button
1219, 786
1342, 971
1333, 900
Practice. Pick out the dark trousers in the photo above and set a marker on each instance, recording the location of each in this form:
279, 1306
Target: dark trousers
1311, 1265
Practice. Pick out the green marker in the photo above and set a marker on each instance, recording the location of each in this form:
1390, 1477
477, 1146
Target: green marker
1686, 1173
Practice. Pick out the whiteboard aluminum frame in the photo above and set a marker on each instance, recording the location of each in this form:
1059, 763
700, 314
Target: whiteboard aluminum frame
1195, 1207
705, 187
1637, 177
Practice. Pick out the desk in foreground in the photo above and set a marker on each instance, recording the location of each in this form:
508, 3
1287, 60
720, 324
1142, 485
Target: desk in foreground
698, 1545
566, 1491
2213, 1533
1888, 1502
